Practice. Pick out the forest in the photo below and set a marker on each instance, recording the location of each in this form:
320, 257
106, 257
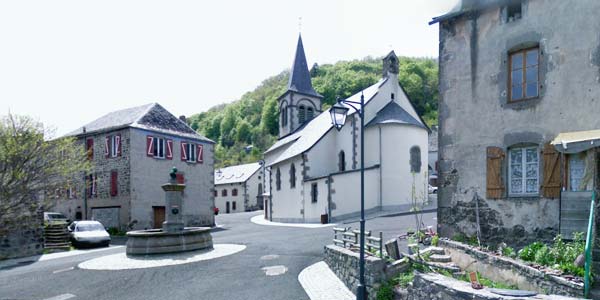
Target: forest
245, 128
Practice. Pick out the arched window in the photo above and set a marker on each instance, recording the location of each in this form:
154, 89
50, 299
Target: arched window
260, 192
283, 116
224, 193
293, 176
301, 114
342, 161
234, 192
310, 113
278, 179
415, 159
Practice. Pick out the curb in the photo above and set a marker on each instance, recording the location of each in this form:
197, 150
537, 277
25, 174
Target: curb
320, 283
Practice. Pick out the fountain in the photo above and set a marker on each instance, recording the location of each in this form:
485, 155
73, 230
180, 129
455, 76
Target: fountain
173, 237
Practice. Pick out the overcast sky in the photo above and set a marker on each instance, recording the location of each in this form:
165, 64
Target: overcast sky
67, 63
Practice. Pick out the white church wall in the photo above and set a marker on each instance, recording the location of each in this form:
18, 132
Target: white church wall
287, 202
314, 210
345, 194
322, 157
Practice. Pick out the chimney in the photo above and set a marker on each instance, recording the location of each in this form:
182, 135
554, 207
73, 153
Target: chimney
182, 118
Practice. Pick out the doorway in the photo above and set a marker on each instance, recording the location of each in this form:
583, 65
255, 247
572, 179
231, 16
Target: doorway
227, 207
266, 208
159, 216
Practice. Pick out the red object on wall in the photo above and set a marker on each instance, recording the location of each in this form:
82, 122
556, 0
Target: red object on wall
169, 149
180, 179
149, 145
90, 148
114, 190
200, 152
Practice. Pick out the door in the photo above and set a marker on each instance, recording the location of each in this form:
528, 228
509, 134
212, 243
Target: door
227, 207
159, 216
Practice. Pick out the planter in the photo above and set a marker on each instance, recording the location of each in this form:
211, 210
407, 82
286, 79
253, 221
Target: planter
324, 219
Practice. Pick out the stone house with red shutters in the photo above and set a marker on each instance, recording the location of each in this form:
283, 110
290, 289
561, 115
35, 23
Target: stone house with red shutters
132, 152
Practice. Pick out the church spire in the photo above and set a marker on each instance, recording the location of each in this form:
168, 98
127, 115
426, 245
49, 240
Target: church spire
299, 76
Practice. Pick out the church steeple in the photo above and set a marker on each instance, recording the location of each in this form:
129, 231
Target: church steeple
300, 102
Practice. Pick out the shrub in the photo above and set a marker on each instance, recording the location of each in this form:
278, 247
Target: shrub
528, 253
386, 291
509, 251
434, 240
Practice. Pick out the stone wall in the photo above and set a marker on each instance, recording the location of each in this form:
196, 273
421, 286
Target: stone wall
432, 286
344, 263
507, 270
21, 233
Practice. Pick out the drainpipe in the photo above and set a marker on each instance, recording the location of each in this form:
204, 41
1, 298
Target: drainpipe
380, 171
329, 217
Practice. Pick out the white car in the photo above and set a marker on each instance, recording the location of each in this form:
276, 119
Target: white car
432, 189
88, 233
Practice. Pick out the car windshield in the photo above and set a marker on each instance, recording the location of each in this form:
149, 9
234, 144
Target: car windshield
89, 227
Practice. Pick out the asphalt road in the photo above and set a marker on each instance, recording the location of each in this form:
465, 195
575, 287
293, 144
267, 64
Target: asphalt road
238, 276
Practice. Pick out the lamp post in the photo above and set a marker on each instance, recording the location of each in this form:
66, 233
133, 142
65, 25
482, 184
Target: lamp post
338, 112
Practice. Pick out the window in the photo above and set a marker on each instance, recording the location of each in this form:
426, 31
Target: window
89, 148
224, 193
292, 176
159, 147
314, 192
415, 159
233, 205
283, 116
191, 152
301, 114
342, 161
278, 179
576, 171
260, 191
112, 146
513, 11
234, 193
215, 193
523, 171
310, 113
524, 74
114, 189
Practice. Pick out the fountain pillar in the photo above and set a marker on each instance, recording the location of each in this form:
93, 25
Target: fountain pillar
173, 201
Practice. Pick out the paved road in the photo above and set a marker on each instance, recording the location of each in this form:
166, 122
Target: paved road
239, 276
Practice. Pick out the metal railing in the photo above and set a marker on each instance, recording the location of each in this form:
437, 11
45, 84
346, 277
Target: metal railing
589, 245
348, 238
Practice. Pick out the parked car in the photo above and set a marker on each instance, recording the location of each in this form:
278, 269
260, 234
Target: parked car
55, 218
85, 233
432, 189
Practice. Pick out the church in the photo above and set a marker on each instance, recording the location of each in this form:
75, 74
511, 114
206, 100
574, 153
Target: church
315, 169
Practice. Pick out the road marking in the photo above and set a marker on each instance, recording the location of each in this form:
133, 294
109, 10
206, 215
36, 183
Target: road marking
61, 297
275, 270
63, 270
269, 257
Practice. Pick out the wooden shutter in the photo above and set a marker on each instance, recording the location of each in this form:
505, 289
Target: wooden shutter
551, 183
107, 146
183, 151
200, 149
118, 142
90, 148
169, 149
113, 183
149, 145
495, 186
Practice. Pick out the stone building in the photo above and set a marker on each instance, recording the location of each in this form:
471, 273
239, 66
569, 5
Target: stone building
314, 169
131, 150
519, 84
239, 188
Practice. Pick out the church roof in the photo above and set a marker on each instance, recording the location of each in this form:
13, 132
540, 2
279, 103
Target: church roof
393, 113
300, 76
152, 117
307, 136
236, 174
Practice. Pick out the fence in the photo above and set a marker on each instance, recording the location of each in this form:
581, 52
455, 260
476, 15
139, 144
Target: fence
348, 238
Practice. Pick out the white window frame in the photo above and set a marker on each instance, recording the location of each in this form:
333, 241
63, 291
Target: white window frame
524, 171
191, 152
159, 143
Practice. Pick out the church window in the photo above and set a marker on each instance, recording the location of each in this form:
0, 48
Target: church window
278, 179
293, 176
415, 159
310, 113
301, 114
342, 161
314, 192
284, 116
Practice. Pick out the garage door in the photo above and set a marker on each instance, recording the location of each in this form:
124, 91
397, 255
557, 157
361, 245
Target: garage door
108, 216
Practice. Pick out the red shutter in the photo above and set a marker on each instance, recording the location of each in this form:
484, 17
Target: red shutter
118, 141
107, 146
199, 153
169, 149
113, 183
90, 148
183, 151
149, 145
180, 179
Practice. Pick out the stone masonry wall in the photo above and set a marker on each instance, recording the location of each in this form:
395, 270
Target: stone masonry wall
21, 235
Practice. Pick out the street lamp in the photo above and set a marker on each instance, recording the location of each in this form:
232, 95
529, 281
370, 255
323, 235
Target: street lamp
338, 118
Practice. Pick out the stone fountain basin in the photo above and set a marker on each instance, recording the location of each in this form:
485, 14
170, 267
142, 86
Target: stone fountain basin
157, 241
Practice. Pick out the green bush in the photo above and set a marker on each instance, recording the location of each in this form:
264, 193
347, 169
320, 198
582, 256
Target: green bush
386, 291
509, 251
434, 240
561, 255
528, 253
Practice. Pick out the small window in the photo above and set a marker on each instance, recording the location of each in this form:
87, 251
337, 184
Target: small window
215, 193
310, 113
278, 179
190, 152
415, 159
233, 206
158, 146
342, 161
292, 176
260, 189
283, 116
524, 74
301, 114
523, 171
513, 11
576, 172
314, 192
224, 193
234, 192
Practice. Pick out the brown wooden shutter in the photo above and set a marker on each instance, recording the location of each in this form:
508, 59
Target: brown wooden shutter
551, 183
113, 183
495, 186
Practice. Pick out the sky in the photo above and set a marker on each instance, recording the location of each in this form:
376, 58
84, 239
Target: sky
68, 62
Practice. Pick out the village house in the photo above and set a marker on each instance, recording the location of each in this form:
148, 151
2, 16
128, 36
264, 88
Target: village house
132, 152
519, 90
315, 170
239, 188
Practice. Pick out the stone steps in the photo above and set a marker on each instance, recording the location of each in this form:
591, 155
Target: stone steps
440, 258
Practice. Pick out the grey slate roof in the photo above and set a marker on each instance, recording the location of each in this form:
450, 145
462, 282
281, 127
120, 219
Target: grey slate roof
152, 117
300, 76
236, 174
393, 113
303, 139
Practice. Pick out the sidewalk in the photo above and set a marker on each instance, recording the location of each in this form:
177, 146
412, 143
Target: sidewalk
260, 220
320, 283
